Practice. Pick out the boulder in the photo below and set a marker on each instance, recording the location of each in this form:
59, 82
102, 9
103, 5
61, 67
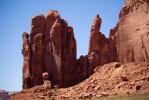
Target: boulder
45, 76
47, 83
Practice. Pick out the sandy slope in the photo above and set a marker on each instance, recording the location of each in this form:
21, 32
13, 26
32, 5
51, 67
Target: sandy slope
109, 79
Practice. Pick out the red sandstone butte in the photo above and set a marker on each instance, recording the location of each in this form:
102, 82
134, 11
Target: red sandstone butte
51, 46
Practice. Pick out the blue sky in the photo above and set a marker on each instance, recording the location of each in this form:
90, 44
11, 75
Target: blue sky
15, 18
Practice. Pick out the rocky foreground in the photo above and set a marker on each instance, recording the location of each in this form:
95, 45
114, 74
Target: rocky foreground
107, 80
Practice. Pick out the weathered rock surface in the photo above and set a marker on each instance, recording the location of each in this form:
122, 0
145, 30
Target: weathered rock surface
85, 66
83, 70
50, 18
36, 43
104, 48
26, 50
94, 35
63, 47
51, 47
133, 32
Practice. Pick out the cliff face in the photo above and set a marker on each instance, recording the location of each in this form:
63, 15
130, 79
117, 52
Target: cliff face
63, 47
133, 32
26, 51
50, 47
